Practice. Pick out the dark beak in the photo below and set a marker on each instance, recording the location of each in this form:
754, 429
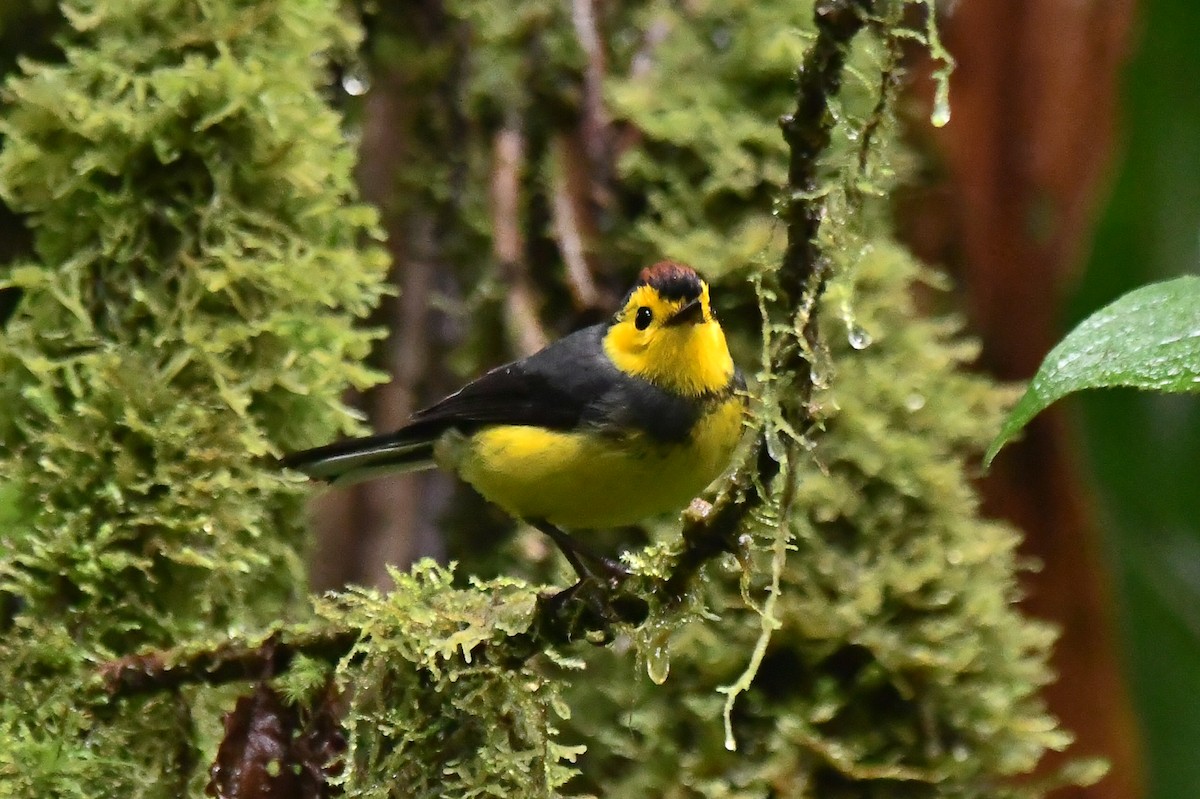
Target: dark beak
690, 314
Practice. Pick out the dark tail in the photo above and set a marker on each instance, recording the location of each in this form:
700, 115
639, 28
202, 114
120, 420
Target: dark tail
362, 458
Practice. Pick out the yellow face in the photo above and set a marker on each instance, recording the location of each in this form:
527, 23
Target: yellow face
673, 340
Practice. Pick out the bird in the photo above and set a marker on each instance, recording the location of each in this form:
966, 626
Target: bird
605, 427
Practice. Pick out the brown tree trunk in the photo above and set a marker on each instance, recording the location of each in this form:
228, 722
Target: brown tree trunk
365, 528
1034, 100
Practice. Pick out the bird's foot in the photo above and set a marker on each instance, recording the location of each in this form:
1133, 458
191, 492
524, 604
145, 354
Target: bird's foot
593, 608
587, 563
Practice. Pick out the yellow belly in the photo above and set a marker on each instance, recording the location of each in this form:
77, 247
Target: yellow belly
585, 480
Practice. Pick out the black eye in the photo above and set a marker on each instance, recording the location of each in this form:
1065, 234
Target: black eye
643, 319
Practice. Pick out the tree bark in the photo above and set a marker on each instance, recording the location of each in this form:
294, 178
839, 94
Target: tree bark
1034, 101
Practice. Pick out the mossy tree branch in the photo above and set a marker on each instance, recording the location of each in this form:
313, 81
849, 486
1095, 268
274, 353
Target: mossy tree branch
192, 225
807, 131
229, 661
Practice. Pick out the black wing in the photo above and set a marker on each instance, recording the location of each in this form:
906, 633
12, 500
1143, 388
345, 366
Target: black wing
569, 385
552, 388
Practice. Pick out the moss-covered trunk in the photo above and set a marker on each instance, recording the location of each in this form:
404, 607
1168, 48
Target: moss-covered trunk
186, 313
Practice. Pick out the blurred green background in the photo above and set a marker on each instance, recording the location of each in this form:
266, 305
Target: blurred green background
1143, 450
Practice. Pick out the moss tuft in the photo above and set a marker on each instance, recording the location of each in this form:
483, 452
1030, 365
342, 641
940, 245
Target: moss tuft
430, 710
187, 313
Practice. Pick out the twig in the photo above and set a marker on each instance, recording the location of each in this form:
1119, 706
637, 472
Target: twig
567, 209
640, 66
807, 131
802, 276
508, 160
594, 124
715, 533
229, 661
889, 82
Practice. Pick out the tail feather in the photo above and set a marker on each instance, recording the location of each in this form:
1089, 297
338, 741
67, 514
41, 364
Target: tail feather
358, 459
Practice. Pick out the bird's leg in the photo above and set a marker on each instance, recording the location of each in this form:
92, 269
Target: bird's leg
585, 562
596, 598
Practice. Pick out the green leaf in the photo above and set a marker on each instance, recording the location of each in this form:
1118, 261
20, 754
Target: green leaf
1149, 339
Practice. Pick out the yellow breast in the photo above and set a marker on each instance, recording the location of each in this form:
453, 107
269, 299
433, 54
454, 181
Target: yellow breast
587, 479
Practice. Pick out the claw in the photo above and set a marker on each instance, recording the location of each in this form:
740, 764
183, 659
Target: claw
590, 606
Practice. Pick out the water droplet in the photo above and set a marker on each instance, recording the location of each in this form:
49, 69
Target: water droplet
858, 337
654, 648
834, 106
941, 101
914, 402
355, 83
658, 662
775, 447
820, 374
941, 112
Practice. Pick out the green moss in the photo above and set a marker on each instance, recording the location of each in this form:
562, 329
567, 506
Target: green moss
712, 160
187, 314
187, 190
430, 710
